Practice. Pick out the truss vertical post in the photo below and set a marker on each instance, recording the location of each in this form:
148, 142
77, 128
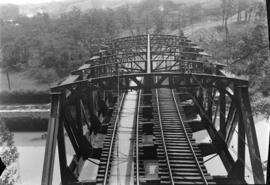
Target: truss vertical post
62, 149
89, 100
65, 172
47, 174
241, 151
268, 163
79, 115
148, 68
253, 146
239, 167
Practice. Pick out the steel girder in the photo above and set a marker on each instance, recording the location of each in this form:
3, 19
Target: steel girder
121, 65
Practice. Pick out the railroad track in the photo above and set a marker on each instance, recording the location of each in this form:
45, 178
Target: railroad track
180, 160
108, 146
138, 166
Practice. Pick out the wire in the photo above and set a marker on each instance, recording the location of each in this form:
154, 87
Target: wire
210, 158
117, 144
93, 162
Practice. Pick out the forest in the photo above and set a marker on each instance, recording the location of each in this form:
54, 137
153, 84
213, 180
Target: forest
48, 47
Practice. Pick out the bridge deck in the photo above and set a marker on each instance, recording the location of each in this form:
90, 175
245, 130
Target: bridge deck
122, 162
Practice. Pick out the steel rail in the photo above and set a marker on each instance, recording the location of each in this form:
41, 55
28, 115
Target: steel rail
137, 138
112, 141
188, 140
163, 140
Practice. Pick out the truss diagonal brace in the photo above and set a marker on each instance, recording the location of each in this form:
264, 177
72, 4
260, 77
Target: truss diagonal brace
217, 139
134, 79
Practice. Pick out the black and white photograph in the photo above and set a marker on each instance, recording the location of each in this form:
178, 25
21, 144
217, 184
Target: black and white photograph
134, 92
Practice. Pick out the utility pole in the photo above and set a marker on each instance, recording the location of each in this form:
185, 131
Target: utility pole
268, 162
180, 32
8, 79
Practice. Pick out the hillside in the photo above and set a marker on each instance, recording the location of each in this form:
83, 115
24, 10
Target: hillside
58, 7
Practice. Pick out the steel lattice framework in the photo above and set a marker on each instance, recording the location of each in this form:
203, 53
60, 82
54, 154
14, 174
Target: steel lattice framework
176, 63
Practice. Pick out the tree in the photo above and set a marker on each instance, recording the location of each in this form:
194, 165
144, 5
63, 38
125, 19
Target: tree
126, 18
110, 24
158, 20
195, 13
9, 155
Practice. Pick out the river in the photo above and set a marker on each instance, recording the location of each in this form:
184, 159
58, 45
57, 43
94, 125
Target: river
31, 147
31, 150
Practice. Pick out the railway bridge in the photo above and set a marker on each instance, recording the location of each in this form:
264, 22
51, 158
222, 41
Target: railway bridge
171, 90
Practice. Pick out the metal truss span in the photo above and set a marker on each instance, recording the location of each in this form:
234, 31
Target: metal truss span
87, 104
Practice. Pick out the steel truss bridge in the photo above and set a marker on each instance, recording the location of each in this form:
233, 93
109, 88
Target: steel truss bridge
175, 84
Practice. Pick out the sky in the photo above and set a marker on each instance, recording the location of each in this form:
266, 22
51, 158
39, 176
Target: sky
19, 2
26, 1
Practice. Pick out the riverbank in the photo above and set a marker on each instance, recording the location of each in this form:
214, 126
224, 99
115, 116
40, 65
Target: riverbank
20, 81
25, 118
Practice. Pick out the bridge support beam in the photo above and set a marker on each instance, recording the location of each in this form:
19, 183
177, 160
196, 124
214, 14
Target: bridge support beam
149, 64
239, 169
173, 62
66, 174
52, 134
218, 141
207, 149
239, 113
197, 125
250, 131
222, 113
209, 103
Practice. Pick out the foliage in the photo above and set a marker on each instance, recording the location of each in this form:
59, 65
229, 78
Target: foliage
58, 44
9, 155
44, 75
251, 53
158, 20
50, 47
246, 52
261, 104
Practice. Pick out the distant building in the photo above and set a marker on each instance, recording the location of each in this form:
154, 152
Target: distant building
9, 11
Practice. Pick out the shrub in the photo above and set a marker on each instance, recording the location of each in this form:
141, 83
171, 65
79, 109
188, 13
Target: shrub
9, 155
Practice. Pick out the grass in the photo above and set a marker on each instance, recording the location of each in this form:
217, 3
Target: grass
24, 97
24, 90
20, 82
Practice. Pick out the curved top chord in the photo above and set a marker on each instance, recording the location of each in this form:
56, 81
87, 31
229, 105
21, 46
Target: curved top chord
128, 56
